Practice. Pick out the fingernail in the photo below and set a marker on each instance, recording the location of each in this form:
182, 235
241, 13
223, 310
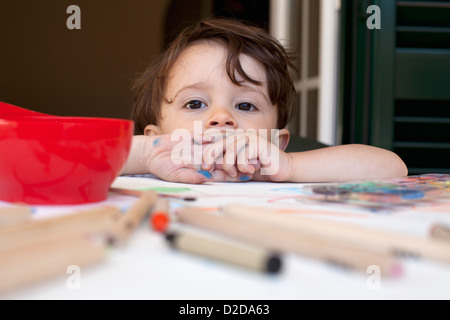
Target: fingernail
206, 166
207, 174
244, 178
251, 169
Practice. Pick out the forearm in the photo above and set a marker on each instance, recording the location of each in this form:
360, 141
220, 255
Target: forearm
345, 163
136, 162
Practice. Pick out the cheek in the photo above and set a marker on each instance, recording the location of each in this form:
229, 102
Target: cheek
274, 122
166, 127
171, 123
167, 121
271, 120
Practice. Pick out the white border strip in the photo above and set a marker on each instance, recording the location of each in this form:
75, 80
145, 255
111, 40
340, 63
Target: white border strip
327, 113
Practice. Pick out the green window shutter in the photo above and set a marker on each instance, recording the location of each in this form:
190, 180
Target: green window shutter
407, 90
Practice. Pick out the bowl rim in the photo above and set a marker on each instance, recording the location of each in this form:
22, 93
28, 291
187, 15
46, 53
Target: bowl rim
63, 119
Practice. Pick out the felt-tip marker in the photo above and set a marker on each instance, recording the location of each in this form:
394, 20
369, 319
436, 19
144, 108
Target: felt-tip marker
159, 216
226, 250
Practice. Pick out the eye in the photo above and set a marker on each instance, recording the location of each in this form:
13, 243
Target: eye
195, 104
245, 106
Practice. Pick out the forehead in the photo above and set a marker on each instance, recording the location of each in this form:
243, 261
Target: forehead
206, 58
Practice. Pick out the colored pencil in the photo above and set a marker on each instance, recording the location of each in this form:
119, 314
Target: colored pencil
289, 241
350, 235
39, 248
14, 214
44, 259
134, 215
441, 232
98, 221
138, 193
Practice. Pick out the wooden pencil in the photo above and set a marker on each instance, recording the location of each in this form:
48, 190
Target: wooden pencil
127, 192
98, 220
37, 249
134, 215
347, 234
10, 215
290, 241
441, 232
138, 193
29, 264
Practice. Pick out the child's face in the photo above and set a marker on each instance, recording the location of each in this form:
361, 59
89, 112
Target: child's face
199, 89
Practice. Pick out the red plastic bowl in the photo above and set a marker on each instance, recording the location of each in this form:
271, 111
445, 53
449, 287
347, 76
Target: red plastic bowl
48, 159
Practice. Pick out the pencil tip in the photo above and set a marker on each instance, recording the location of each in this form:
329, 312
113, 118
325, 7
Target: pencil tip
111, 240
396, 270
437, 228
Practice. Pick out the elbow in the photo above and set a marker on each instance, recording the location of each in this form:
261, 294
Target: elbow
400, 168
403, 169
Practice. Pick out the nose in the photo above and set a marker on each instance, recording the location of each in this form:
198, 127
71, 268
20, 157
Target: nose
221, 118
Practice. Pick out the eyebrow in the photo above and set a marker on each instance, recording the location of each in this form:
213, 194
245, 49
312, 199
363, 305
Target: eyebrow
256, 89
197, 85
203, 85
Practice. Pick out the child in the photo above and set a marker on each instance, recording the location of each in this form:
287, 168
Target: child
225, 88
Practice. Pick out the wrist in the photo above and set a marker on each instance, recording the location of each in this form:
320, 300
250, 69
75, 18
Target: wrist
147, 149
290, 168
138, 161
284, 172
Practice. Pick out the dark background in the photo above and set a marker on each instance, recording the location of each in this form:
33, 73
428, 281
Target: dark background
46, 67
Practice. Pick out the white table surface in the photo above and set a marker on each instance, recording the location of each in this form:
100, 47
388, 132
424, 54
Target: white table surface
145, 267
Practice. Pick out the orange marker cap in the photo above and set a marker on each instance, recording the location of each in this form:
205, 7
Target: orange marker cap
159, 221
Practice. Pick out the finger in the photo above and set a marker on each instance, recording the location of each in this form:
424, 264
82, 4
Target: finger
230, 169
229, 159
212, 135
218, 147
213, 153
246, 168
222, 176
233, 144
208, 166
187, 175
186, 153
247, 155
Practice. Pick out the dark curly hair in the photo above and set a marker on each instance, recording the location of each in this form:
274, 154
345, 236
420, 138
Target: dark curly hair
240, 38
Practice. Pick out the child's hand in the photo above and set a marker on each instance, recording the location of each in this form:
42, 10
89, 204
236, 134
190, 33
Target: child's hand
247, 153
178, 161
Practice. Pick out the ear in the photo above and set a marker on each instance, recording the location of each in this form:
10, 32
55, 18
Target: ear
152, 130
284, 136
